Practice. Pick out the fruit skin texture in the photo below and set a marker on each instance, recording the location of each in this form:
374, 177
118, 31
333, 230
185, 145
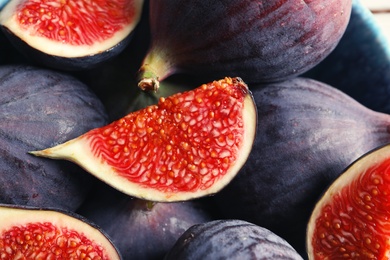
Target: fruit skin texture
356, 48
357, 206
70, 35
230, 239
187, 146
141, 229
259, 41
28, 232
307, 134
39, 108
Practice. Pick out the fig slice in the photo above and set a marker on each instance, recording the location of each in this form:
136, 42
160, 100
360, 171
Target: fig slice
36, 233
351, 220
189, 145
58, 33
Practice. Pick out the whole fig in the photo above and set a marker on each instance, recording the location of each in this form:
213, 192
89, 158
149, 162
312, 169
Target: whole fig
307, 133
39, 108
257, 40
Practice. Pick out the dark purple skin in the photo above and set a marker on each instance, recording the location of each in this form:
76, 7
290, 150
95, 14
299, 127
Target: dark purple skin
231, 239
307, 134
40, 108
142, 229
363, 50
257, 40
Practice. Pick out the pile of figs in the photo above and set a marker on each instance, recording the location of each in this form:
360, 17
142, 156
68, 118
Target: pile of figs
271, 119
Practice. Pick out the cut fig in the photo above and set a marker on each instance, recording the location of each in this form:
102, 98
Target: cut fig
259, 41
35, 233
189, 145
350, 221
72, 34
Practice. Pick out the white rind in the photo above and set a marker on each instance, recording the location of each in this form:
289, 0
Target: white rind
78, 151
8, 19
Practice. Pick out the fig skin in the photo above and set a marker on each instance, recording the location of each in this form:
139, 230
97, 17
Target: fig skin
365, 50
231, 239
20, 216
307, 133
139, 228
259, 41
38, 108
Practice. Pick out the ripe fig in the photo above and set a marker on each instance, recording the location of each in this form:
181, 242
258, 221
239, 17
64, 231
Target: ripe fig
308, 132
189, 145
257, 40
350, 221
230, 239
37, 233
142, 229
70, 35
41, 108
363, 50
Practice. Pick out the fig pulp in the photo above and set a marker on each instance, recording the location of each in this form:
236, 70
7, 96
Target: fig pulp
190, 144
350, 221
36, 233
70, 34
307, 134
257, 40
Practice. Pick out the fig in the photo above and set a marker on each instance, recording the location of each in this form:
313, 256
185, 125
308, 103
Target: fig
308, 132
40, 108
363, 50
230, 239
39, 233
259, 41
70, 35
350, 221
189, 145
142, 229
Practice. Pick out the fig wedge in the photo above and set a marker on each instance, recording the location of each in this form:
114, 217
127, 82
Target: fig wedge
189, 145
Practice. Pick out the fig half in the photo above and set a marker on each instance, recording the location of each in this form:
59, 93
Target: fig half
189, 145
72, 34
36, 233
350, 221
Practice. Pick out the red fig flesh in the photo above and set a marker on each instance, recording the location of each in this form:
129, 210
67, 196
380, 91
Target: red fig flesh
70, 29
189, 145
33, 233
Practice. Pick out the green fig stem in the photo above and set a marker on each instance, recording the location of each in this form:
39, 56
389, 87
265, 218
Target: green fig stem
156, 66
148, 80
150, 204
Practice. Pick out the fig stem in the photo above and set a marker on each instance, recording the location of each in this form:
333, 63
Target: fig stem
156, 66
